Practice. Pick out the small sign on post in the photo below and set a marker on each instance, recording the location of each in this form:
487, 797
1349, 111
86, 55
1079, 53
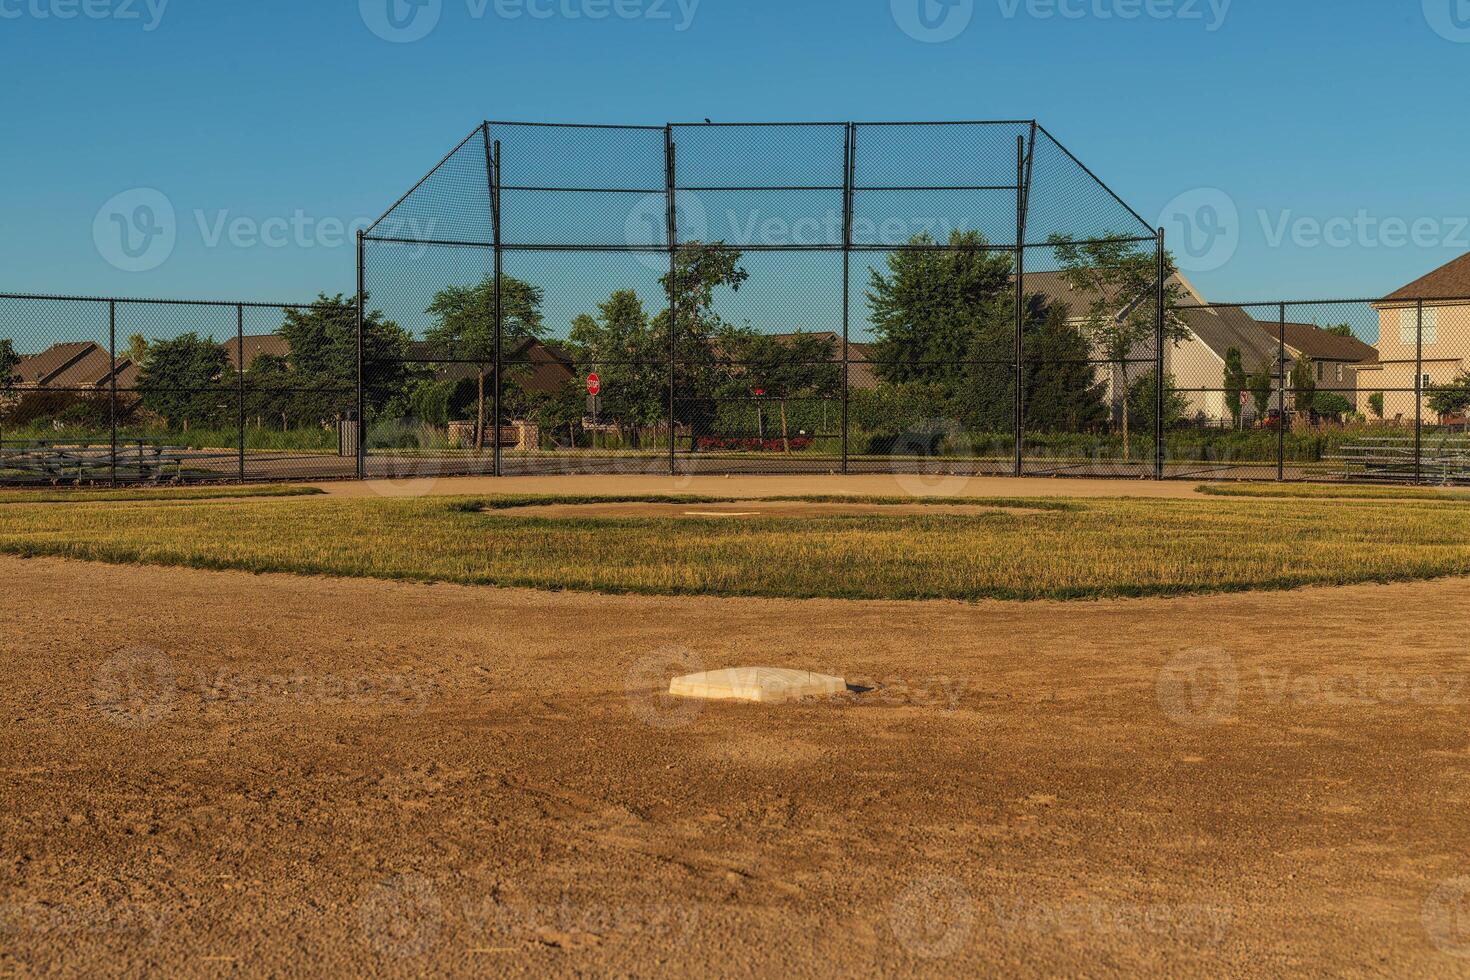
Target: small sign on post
594, 385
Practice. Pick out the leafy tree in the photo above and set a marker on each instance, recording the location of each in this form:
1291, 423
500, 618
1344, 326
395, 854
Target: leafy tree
1375, 403
1331, 405
802, 365
1452, 398
323, 359
1121, 282
1261, 384
623, 348
929, 307
1142, 397
1340, 330
1235, 384
701, 270
465, 329
181, 380
1303, 384
137, 349
9, 361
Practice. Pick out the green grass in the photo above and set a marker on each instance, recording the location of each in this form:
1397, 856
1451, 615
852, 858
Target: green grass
54, 496
1307, 491
1080, 550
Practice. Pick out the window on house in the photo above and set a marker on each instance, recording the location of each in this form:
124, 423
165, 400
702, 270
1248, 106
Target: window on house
1409, 326
1321, 371
1339, 373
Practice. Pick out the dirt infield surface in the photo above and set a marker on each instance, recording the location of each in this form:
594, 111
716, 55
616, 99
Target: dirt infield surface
215, 774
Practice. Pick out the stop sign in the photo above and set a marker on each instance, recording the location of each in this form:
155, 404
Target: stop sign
594, 385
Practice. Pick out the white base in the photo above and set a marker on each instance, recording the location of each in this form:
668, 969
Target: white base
765, 685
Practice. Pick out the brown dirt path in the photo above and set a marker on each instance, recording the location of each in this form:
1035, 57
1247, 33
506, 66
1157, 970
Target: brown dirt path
210, 774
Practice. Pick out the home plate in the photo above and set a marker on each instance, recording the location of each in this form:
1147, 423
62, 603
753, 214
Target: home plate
761, 684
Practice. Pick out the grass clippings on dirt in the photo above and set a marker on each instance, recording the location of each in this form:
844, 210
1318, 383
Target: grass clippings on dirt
1090, 549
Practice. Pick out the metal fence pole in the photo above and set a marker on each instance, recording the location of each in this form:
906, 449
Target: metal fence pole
1160, 299
1281, 395
240, 384
848, 181
492, 176
672, 219
112, 384
361, 427
1020, 300
1419, 393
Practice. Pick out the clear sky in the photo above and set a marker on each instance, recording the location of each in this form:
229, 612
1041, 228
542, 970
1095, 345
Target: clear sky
1312, 149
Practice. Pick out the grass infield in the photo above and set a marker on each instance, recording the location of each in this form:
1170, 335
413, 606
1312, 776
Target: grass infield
51, 496
1077, 549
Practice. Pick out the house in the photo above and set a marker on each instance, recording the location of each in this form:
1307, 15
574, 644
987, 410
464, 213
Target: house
1445, 293
1196, 362
1334, 360
77, 367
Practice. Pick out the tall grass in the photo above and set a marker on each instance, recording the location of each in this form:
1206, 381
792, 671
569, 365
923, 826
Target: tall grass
1091, 549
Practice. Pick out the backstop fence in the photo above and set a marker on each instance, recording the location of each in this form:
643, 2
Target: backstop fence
934, 299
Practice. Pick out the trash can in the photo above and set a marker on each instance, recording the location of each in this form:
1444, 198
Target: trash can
349, 432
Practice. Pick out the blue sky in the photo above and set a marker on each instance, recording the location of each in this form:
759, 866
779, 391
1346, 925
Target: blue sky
297, 118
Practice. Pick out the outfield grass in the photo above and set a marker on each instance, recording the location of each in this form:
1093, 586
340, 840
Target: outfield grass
1080, 549
53, 496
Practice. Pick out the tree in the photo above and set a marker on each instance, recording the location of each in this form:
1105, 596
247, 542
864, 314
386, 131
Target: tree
1120, 281
180, 380
1303, 385
1450, 399
1331, 405
1261, 384
700, 271
1060, 391
1144, 407
929, 308
9, 361
466, 328
323, 354
1235, 385
137, 349
1341, 330
1375, 404
622, 347
802, 365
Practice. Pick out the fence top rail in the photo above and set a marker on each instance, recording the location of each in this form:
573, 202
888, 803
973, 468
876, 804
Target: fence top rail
701, 124
1397, 302
257, 304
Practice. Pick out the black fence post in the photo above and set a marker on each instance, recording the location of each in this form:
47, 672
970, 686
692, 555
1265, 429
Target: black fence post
1160, 313
1419, 392
1281, 395
240, 384
361, 427
672, 219
492, 166
112, 385
848, 180
1020, 300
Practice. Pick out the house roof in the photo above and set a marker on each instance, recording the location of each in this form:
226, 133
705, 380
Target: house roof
1449, 281
75, 365
1322, 345
550, 366
269, 344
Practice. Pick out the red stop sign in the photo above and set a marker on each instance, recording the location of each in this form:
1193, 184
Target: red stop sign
594, 385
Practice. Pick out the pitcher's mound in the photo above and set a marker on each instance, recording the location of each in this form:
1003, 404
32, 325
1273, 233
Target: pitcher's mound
761, 684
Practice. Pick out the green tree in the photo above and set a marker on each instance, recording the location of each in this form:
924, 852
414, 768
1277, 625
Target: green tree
1331, 405
1340, 330
623, 348
1375, 404
701, 272
1235, 385
322, 339
465, 329
1450, 399
1261, 384
1303, 385
1142, 397
1120, 281
181, 381
929, 308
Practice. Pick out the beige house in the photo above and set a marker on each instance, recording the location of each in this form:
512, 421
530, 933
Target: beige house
1333, 359
1402, 368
